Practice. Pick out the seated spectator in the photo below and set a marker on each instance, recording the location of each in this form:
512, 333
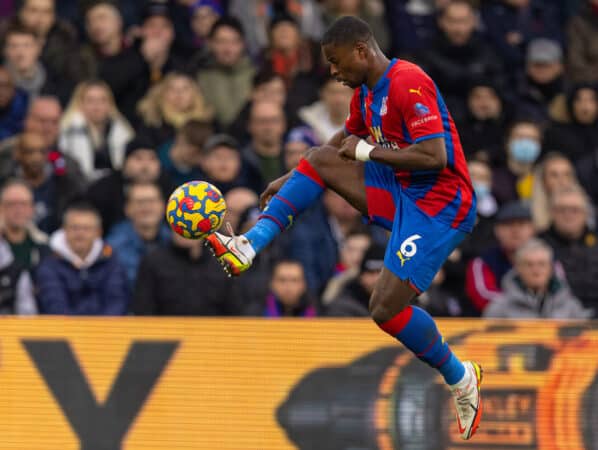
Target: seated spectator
574, 244
16, 289
579, 134
355, 297
482, 131
182, 158
439, 301
204, 14
13, 106
587, 168
288, 296
543, 84
513, 180
222, 165
237, 201
227, 76
143, 230
458, 56
513, 228
169, 277
27, 243
532, 290
82, 276
582, 44
298, 141
53, 182
170, 104
413, 24
122, 68
327, 116
93, 132
553, 174
141, 165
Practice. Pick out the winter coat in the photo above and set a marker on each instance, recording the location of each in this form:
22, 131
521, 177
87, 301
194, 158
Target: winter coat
16, 288
66, 284
582, 50
13, 115
351, 302
517, 302
316, 116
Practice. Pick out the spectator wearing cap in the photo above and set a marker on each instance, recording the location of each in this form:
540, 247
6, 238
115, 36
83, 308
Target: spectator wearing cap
204, 14
575, 245
532, 290
141, 165
222, 164
582, 44
298, 141
354, 299
227, 76
513, 228
327, 116
13, 106
93, 132
122, 67
543, 84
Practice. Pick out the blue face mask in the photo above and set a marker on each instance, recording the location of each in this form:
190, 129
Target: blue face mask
524, 150
481, 189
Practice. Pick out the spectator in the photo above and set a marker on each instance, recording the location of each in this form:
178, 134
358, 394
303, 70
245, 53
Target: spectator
82, 277
22, 50
484, 274
181, 160
141, 165
28, 245
579, 134
237, 201
457, 56
54, 185
227, 77
93, 132
412, 24
169, 277
355, 297
587, 168
543, 85
438, 300
143, 230
170, 104
123, 68
582, 42
288, 296
223, 166
204, 14
298, 141
532, 290
16, 289
553, 174
514, 179
267, 126
574, 244
13, 106
327, 116
483, 129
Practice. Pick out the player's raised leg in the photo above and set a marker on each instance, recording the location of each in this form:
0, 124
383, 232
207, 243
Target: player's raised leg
321, 168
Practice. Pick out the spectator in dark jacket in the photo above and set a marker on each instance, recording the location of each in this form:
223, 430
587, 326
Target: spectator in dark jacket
587, 168
458, 56
82, 277
13, 106
172, 280
16, 289
582, 44
574, 244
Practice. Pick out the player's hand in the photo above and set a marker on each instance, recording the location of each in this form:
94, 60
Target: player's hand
272, 189
347, 148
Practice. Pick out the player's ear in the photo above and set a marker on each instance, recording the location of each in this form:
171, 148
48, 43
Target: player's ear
361, 48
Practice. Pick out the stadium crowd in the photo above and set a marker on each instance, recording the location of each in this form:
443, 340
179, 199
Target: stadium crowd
105, 107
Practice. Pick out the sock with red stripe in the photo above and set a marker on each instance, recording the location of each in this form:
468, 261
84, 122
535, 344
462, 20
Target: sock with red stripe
417, 331
299, 192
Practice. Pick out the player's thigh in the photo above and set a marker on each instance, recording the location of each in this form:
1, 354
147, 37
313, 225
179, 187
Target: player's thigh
391, 295
344, 177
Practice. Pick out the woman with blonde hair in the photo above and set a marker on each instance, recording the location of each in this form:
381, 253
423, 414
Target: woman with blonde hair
93, 132
168, 105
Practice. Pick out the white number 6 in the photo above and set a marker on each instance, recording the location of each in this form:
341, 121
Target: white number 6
408, 247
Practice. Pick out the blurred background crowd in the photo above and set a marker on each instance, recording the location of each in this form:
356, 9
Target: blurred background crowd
105, 107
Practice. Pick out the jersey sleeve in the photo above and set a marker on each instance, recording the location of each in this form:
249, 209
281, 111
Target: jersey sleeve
355, 123
416, 99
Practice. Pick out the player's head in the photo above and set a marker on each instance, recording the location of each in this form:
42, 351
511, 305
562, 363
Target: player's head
348, 46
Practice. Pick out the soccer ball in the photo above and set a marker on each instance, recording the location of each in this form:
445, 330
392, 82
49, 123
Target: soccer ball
195, 209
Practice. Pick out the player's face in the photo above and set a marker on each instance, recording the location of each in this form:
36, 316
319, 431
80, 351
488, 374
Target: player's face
348, 63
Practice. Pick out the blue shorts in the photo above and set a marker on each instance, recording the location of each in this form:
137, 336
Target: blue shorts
419, 244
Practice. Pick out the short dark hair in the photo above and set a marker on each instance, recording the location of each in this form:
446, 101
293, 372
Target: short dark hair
347, 30
227, 21
18, 28
81, 206
265, 75
196, 132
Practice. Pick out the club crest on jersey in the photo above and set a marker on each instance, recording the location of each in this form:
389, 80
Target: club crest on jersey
421, 110
384, 108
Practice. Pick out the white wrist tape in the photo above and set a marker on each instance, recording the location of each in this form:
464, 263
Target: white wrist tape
363, 150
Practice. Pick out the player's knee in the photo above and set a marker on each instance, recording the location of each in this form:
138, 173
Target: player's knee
386, 303
321, 157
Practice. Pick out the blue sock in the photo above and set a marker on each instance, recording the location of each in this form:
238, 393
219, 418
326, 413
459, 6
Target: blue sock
300, 191
417, 331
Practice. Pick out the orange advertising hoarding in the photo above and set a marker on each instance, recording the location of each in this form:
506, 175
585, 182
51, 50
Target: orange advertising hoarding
243, 384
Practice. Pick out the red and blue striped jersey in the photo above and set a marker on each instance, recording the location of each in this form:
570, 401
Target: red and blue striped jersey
404, 108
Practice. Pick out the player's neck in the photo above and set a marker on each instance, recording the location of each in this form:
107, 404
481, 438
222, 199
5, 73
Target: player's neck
379, 66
